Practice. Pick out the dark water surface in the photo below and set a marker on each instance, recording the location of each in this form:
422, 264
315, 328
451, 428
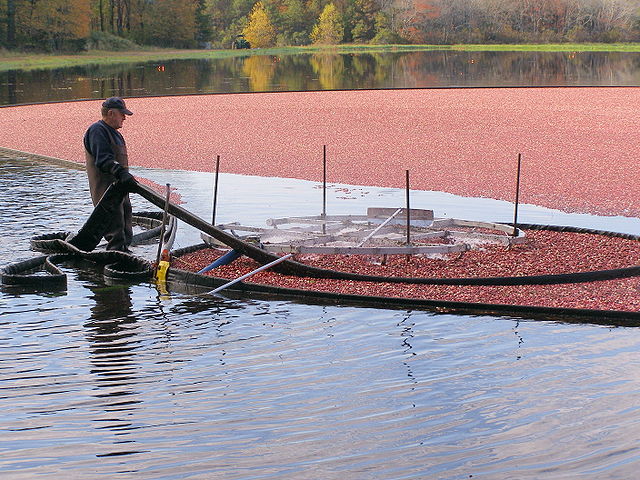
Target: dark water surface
124, 381
323, 72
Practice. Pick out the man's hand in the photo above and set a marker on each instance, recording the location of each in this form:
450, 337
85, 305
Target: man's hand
124, 177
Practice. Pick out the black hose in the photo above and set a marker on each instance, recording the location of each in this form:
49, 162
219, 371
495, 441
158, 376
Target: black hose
127, 266
291, 267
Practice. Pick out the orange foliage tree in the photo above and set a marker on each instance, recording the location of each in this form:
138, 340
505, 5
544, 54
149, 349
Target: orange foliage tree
53, 24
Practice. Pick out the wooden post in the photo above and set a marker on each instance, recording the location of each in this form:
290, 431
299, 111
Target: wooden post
515, 213
215, 191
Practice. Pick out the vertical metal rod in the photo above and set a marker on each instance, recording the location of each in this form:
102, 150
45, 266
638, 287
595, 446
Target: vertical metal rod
324, 189
408, 211
165, 216
515, 213
215, 191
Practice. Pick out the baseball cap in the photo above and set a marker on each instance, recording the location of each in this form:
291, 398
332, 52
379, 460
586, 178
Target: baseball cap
118, 103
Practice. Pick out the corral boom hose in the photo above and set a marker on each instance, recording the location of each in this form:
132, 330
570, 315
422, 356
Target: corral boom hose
92, 231
291, 267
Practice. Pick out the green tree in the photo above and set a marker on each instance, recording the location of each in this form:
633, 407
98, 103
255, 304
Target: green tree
329, 30
11, 23
364, 17
203, 23
384, 31
260, 32
294, 17
171, 23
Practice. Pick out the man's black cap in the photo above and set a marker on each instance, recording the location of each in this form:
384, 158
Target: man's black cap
118, 103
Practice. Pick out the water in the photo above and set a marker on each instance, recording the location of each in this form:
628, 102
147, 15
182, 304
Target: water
323, 72
124, 381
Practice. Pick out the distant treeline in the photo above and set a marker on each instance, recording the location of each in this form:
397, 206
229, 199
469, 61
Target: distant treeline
121, 24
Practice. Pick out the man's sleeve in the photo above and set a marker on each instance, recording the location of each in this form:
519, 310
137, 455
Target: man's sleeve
98, 144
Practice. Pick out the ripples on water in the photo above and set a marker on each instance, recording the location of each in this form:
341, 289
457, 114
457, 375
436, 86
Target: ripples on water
120, 381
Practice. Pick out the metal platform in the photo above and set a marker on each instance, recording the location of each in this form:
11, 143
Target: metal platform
381, 231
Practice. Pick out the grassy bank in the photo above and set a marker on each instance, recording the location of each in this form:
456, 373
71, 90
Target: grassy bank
31, 61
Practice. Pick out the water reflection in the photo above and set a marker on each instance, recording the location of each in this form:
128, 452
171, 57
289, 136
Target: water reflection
110, 335
327, 71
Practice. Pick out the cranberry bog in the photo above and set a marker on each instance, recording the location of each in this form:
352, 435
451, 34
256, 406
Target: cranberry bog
445, 263
578, 149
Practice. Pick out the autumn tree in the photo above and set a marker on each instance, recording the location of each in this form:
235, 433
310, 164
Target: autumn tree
65, 24
329, 30
260, 32
53, 24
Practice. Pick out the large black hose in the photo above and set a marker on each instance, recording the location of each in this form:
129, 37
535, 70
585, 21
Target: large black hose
192, 283
291, 267
23, 274
42, 273
94, 228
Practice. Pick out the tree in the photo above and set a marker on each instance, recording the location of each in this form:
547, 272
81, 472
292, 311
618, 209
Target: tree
384, 32
260, 32
53, 24
171, 23
11, 23
364, 20
203, 25
295, 18
329, 30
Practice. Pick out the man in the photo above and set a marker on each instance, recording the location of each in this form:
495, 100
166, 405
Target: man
106, 156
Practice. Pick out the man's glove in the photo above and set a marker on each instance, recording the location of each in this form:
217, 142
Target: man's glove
123, 176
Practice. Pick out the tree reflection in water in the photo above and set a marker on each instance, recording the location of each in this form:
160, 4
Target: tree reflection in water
325, 71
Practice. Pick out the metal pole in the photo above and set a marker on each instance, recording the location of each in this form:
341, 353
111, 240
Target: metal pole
215, 191
382, 225
247, 275
408, 211
324, 189
515, 213
408, 215
165, 216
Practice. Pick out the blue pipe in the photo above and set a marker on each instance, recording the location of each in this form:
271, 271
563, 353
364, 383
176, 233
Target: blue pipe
226, 259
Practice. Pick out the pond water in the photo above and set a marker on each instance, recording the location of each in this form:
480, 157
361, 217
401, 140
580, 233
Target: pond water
305, 72
124, 381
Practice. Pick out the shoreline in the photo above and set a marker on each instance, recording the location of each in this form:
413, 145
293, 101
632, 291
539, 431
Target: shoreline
14, 60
